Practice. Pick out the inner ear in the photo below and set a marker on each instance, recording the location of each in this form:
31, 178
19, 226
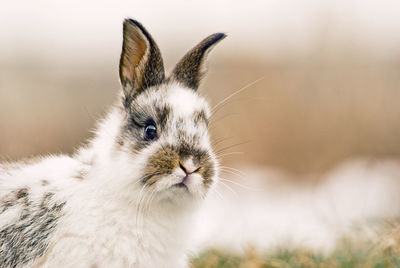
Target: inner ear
190, 69
141, 65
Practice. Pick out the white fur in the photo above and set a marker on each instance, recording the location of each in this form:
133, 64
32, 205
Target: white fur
101, 225
185, 102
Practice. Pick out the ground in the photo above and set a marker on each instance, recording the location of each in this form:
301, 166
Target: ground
348, 254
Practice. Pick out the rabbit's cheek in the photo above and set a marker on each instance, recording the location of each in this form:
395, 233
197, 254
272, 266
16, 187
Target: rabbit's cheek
163, 182
161, 164
207, 171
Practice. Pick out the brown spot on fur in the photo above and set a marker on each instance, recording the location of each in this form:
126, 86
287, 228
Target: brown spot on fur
162, 115
21, 193
45, 182
81, 174
192, 139
206, 171
46, 198
15, 197
120, 142
6, 203
161, 163
200, 116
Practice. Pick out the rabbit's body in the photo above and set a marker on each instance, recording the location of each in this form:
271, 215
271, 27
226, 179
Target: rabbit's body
79, 214
128, 198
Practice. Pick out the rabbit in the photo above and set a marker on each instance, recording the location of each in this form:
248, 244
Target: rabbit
129, 197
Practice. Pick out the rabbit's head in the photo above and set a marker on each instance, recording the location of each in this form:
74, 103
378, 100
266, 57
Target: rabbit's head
165, 130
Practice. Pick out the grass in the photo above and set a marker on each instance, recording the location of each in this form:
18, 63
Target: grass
348, 254
297, 259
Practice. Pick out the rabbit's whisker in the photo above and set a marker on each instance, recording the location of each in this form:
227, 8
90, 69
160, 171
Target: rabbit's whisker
228, 187
149, 201
230, 172
240, 184
213, 121
140, 202
215, 108
220, 140
146, 204
234, 169
231, 146
230, 153
218, 194
138, 206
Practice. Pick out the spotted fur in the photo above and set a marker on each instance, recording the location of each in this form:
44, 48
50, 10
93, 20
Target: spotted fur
13, 199
27, 238
200, 116
123, 200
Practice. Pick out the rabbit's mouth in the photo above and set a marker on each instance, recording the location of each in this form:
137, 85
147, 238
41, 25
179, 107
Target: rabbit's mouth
184, 183
180, 185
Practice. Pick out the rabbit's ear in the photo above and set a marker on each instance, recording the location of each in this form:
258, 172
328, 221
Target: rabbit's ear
141, 65
189, 69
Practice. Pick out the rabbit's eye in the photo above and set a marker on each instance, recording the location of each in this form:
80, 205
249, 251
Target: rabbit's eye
150, 133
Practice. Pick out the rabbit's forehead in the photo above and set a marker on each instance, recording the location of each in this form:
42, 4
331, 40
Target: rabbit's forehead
185, 102
176, 101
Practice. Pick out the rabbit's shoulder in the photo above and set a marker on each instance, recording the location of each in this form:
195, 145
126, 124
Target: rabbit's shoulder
31, 204
38, 174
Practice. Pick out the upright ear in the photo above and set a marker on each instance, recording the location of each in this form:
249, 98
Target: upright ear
141, 65
189, 69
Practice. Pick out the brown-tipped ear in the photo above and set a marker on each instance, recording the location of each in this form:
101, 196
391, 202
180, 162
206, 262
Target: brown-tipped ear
141, 65
189, 69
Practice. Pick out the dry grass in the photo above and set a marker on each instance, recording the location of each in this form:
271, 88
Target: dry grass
348, 254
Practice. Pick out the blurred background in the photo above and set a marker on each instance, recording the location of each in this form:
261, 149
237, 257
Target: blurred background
329, 89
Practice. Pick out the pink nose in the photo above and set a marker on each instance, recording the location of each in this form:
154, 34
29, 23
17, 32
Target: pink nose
187, 171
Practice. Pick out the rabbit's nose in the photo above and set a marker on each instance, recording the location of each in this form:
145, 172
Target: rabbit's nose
188, 167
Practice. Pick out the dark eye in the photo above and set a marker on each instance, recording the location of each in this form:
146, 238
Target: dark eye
150, 133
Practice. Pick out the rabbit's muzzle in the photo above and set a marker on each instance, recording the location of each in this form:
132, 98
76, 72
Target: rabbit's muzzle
169, 158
